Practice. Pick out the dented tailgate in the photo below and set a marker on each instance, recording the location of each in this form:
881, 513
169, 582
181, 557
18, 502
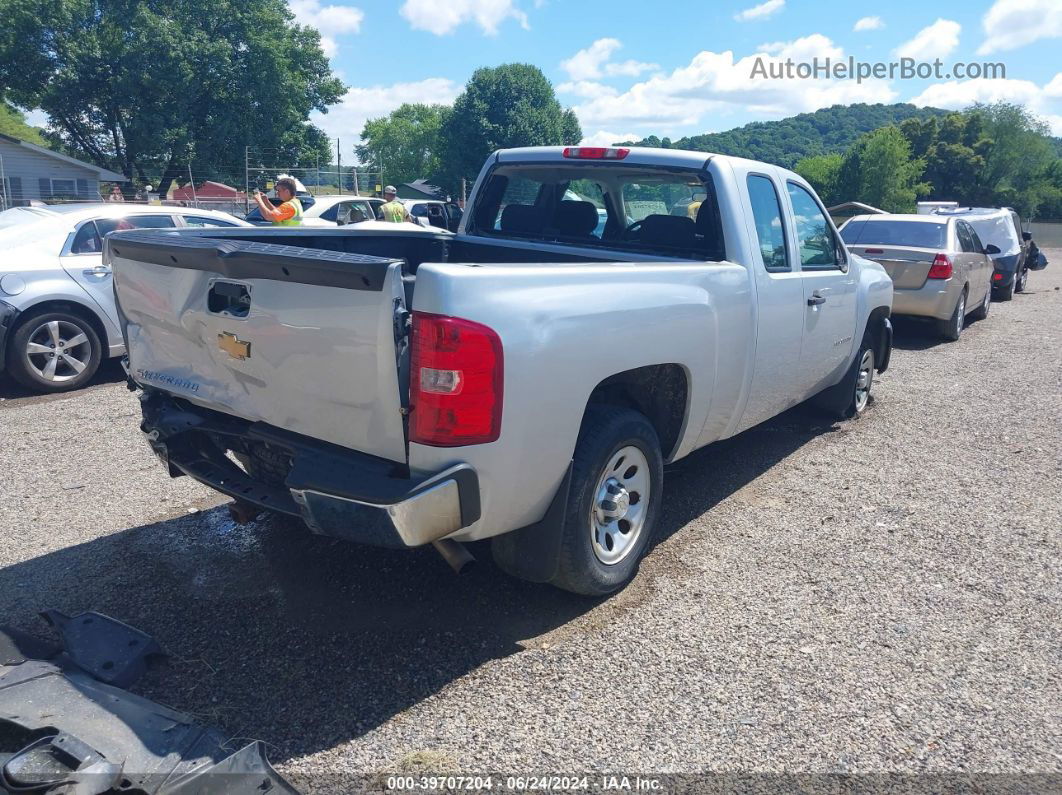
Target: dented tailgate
301, 339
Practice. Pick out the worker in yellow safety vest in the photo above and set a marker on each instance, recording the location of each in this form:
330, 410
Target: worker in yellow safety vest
393, 211
288, 212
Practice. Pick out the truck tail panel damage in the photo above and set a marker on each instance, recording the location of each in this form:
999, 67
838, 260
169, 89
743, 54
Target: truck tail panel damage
300, 339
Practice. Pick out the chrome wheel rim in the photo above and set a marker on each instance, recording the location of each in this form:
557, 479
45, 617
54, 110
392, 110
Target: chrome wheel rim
58, 351
1023, 279
960, 314
988, 299
621, 503
864, 380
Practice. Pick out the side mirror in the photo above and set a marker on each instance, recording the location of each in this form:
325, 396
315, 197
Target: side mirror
1026, 236
991, 249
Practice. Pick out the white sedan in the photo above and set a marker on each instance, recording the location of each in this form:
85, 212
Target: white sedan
57, 315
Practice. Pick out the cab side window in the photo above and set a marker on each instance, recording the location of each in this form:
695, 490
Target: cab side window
770, 229
815, 240
87, 240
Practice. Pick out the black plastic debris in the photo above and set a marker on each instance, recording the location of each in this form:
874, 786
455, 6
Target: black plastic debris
91, 737
109, 650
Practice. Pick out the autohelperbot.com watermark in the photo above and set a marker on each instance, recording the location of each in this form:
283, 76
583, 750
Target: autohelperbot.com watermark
766, 67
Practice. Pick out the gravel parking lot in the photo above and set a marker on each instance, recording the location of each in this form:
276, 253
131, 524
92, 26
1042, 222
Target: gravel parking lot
881, 595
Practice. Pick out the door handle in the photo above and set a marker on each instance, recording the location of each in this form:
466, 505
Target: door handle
99, 270
816, 299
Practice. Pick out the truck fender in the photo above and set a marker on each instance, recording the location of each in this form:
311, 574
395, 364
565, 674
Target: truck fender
533, 552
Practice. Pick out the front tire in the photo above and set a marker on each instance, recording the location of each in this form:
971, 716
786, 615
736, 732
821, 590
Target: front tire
54, 352
851, 396
613, 503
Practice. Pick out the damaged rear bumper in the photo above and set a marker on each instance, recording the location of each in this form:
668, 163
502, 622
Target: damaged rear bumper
338, 492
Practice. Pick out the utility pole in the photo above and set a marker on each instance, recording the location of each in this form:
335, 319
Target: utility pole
246, 180
191, 181
339, 164
4, 198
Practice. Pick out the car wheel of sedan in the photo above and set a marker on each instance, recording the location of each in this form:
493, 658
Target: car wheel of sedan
1021, 281
982, 311
54, 352
617, 475
951, 329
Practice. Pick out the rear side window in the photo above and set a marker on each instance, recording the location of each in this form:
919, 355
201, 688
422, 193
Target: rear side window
767, 215
965, 239
108, 225
920, 234
200, 222
87, 240
815, 240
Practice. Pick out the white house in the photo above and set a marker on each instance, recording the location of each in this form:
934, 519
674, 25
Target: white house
28, 171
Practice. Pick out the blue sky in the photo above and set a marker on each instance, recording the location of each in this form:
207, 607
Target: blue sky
681, 67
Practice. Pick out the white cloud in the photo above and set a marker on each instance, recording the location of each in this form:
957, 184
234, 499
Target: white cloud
442, 18
956, 95
1054, 88
716, 84
605, 138
936, 41
330, 20
589, 62
1010, 24
762, 11
630, 68
594, 61
586, 88
868, 23
360, 104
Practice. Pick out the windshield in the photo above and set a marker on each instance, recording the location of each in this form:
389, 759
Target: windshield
647, 209
918, 234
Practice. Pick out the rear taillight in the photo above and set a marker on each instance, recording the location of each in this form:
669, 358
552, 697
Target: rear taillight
997, 277
455, 390
596, 152
941, 267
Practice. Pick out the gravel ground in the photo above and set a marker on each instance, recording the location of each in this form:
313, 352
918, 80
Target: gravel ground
876, 596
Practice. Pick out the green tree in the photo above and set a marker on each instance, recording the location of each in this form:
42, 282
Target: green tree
1017, 159
14, 124
880, 169
505, 106
405, 145
823, 172
147, 86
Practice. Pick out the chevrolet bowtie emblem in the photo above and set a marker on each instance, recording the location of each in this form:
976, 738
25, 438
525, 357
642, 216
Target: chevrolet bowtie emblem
234, 346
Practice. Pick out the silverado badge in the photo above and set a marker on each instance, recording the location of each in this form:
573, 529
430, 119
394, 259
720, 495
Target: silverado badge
234, 346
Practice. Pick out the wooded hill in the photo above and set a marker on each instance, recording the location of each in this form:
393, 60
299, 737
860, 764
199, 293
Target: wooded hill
828, 131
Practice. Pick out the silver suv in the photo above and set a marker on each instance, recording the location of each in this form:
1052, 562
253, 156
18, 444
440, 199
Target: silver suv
57, 315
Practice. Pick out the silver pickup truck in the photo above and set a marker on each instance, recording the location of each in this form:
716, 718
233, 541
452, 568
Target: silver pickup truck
601, 312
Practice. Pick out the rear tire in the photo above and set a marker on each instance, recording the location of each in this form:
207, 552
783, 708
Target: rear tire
1021, 281
54, 351
982, 311
951, 329
613, 502
1003, 293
